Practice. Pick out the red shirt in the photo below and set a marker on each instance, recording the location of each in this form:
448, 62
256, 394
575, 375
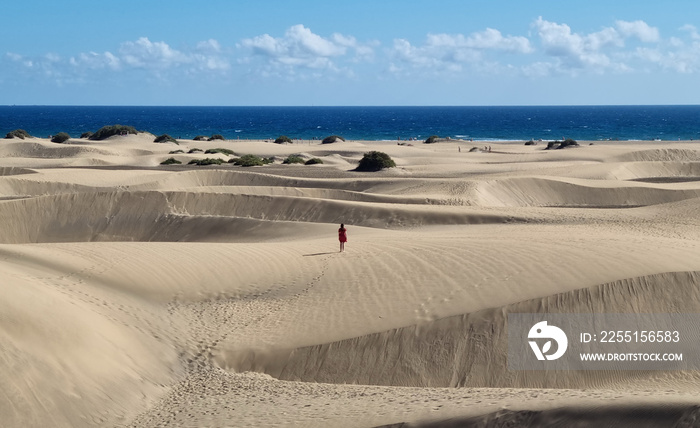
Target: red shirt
342, 236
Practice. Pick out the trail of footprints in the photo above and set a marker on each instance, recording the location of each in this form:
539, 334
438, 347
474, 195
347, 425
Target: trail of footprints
213, 322
229, 315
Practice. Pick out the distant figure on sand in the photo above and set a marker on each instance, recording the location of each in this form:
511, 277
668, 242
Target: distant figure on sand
342, 237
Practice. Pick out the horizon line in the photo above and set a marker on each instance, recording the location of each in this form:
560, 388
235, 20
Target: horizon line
351, 106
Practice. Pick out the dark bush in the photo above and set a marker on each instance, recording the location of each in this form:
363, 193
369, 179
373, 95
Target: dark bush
332, 139
268, 160
530, 143
165, 138
248, 160
174, 152
568, 143
222, 151
432, 139
216, 137
561, 144
171, 161
282, 139
374, 161
313, 161
112, 130
195, 150
18, 133
200, 138
86, 135
206, 161
293, 159
61, 137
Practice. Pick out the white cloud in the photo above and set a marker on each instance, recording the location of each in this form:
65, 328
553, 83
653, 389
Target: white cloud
488, 39
453, 53
638, 29
691, 30
595, 52
156, 57
146, 54
301, 48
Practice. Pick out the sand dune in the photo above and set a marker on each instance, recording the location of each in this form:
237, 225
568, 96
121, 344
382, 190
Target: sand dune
141, 295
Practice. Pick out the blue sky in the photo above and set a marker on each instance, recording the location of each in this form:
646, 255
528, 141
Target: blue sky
377, 52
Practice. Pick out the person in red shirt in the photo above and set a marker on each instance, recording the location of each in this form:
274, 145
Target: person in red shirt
342, 237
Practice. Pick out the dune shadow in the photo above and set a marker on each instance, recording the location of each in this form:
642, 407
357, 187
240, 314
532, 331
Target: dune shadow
319, 254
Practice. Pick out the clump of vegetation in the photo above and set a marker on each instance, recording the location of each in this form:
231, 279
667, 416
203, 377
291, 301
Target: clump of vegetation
293, 159
61, 137
18, 133
86, 135
195, 150
112, 130
568, 143
206, 161
251, 160
561, 144
171, 161
530, 143
174, 152
216, 137
283, 139
222, 151
332, 139
313, 161
165, 138
432, 139
375, 161
200, 138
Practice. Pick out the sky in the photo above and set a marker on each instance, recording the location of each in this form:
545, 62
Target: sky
360, 52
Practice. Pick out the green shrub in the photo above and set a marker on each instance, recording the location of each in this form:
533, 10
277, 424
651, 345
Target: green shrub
374, 161
61, 137
205, 161
112, 130
86, 135
216, 137
530, 143
248, 160
268, 160
313, 161
332, 139
165, 138
200, 138
293, 159
432, 139
171, 161
222, 151
174, 152
18, 133
195, 150
283, 139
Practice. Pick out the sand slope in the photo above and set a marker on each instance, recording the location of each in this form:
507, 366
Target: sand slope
140, 295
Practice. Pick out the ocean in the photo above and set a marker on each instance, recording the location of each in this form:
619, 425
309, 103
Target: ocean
369, 123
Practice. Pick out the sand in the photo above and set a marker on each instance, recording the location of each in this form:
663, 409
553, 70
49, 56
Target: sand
141, 295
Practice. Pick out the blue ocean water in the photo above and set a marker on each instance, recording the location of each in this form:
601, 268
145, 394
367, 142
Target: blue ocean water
369, 123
